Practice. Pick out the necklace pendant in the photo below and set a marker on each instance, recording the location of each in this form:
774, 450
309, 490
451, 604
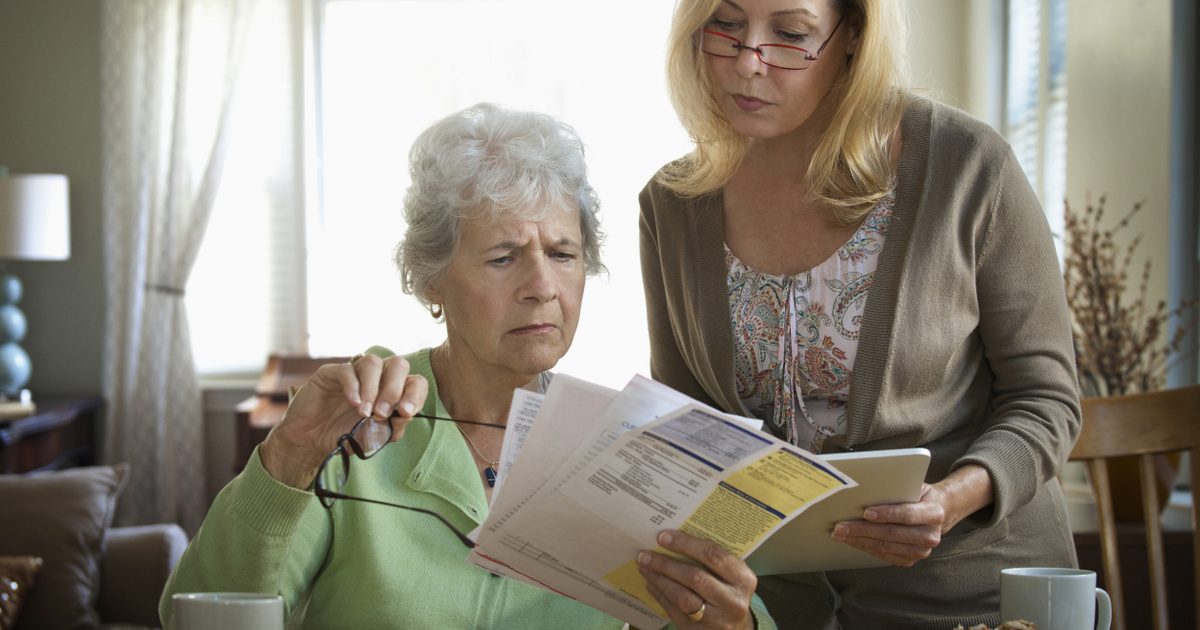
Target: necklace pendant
490, 474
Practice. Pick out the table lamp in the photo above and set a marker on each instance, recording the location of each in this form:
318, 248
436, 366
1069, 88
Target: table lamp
34, 225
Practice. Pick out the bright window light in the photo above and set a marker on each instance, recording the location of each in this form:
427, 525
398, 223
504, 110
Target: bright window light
242, 266
390, 69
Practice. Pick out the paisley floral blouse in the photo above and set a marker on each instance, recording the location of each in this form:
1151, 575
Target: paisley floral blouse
795, 337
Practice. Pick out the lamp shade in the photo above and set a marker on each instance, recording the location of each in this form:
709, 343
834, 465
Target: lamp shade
34, 217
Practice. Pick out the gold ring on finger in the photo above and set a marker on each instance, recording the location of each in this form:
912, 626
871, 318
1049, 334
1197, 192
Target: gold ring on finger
699, 614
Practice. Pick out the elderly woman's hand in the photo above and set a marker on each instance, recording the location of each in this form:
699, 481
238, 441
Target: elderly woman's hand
906, 533
333, 399
714, 593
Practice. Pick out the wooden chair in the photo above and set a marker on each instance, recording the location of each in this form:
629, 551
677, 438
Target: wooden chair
1144, 425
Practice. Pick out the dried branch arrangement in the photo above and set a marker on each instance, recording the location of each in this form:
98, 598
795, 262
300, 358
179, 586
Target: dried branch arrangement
1120, 347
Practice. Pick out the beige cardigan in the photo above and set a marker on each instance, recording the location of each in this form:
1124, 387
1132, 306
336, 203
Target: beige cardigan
965, 344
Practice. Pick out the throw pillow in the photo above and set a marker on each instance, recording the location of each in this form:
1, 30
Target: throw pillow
62, 517
16, 578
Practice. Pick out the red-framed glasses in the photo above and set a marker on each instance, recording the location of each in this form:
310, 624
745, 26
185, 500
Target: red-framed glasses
780, 56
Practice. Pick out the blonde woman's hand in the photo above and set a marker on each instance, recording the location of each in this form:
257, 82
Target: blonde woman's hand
903, 533
906, 533
714, 592
328, 405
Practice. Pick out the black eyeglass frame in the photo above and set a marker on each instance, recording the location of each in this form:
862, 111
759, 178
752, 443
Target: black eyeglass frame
738, 46
327, 497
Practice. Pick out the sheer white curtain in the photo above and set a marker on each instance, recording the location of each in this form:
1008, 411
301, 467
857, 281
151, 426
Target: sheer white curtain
169, 68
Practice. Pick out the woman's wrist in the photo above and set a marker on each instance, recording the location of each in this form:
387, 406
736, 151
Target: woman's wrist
287, 464
966, 490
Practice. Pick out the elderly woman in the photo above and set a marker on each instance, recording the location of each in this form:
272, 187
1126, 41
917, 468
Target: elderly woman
502, 232
864, 269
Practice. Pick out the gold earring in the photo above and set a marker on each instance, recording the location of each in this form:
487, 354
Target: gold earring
435, 310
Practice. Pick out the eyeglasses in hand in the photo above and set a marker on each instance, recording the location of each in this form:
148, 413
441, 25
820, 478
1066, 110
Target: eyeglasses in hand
780, 56
365, 440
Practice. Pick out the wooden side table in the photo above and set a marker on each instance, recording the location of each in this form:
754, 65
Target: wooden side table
61, 433
256, 415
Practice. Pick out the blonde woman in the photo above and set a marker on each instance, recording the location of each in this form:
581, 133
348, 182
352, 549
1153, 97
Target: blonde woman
863, 269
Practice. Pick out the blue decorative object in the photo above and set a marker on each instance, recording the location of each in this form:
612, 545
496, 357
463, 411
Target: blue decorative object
12, 324
15, 368
34, 225
10, 289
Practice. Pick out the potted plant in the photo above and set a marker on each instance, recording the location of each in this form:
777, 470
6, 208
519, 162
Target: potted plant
1122, 342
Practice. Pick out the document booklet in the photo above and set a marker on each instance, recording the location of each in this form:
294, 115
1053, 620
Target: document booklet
803, 545
589, 476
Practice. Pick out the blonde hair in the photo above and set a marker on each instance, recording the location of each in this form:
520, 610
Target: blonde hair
851, 167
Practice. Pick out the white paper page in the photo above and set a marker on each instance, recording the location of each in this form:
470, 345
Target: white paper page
521, 415
696, 472
574, 404
642, 401
507, 544
598, 528
536, 564
639, 403
579, 403
657, 477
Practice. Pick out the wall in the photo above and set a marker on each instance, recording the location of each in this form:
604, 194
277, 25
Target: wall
1185, 191
936, 44
1119, 122
50, 123
1118, 130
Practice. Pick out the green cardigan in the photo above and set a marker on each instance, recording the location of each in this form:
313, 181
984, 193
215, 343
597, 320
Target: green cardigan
965, 349
369, 566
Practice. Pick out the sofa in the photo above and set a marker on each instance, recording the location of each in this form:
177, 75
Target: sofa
62, 564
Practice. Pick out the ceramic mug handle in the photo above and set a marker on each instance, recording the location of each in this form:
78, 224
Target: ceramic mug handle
1103, 610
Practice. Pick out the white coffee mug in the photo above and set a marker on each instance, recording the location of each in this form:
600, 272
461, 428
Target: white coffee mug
1054, 599
226, 611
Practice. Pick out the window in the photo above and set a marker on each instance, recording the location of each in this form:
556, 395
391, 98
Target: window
248, 275
387, 70
1035, 112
